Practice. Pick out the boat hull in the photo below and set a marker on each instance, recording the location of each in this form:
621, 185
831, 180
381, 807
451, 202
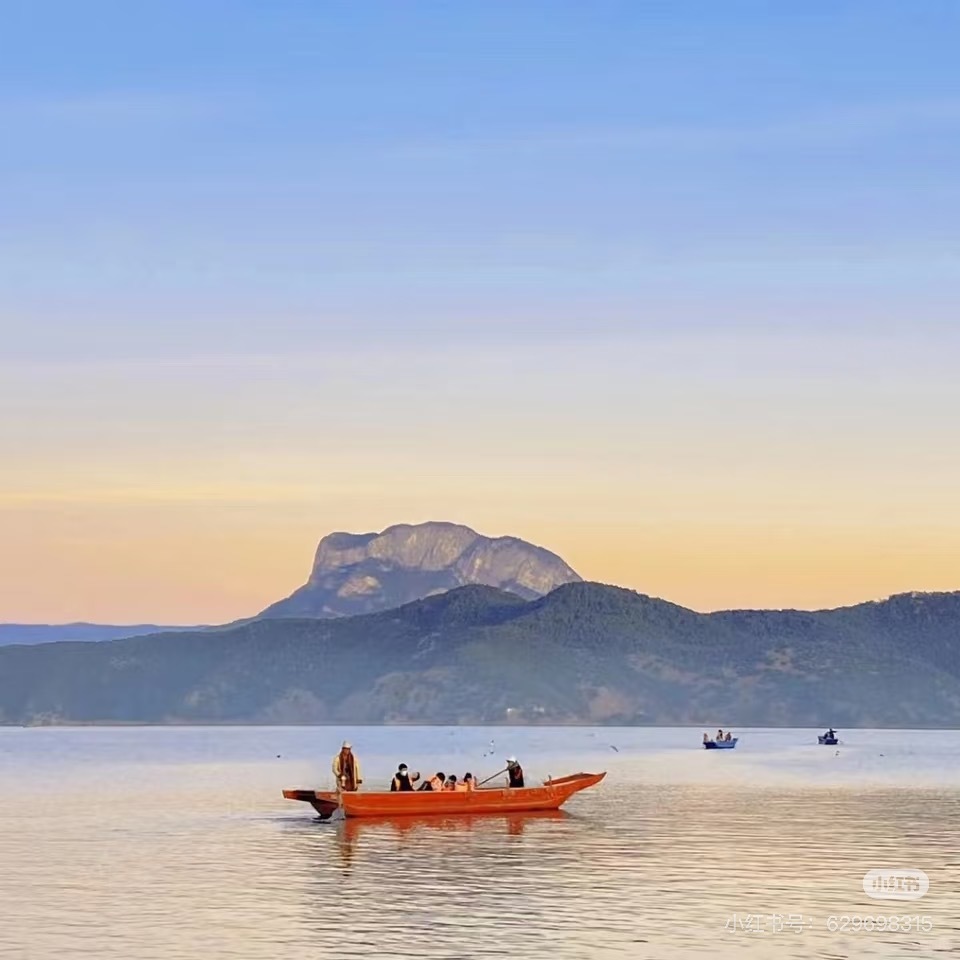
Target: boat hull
426, 803
828, 741
721, 744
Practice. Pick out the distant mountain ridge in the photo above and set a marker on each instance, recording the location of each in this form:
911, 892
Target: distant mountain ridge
54, 632
584, 653
363, 573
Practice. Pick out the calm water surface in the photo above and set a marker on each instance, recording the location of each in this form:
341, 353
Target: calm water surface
138, 843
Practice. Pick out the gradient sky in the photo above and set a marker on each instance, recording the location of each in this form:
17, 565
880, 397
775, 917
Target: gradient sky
671, 289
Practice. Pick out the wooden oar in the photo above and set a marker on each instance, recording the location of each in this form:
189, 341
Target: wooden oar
497, 774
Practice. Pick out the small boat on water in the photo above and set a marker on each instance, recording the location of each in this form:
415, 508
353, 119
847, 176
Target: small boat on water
828, 740
421, 803
720, 744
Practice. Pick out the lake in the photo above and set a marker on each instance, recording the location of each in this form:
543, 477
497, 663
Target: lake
139, 843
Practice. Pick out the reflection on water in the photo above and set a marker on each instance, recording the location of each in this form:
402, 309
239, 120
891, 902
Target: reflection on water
643, 872
127, 853
384, 835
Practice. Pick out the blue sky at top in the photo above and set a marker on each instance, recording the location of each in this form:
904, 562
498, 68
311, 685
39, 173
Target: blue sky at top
204, 178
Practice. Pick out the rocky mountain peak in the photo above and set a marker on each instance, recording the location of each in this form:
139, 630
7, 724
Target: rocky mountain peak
424, 546
363, 573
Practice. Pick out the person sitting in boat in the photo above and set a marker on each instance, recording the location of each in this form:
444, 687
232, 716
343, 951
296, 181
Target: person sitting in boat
468, 783
346, 769
727, 736
706, 738
831, 734
436, 782
451, 783
403, 780
514, 773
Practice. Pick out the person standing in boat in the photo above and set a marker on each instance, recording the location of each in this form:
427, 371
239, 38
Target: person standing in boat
346, 768
514, 773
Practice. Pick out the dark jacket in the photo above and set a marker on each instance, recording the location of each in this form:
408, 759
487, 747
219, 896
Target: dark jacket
401, 782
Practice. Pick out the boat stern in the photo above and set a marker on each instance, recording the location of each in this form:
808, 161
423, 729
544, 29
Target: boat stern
323, 804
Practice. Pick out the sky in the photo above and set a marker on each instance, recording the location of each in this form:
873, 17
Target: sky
670, 289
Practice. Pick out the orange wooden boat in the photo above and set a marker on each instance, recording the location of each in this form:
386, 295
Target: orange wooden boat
421, 803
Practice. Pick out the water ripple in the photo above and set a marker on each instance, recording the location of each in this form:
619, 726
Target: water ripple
122, 851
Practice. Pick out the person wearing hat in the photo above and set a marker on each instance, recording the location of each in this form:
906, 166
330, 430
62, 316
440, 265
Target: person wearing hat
403, 780
514, 773
346, 768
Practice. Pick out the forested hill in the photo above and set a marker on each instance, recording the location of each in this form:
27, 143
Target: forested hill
585, 653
